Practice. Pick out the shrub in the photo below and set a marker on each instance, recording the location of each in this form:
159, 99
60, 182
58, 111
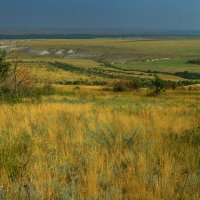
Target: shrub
135, 84
120, 86
171, 85
5, 89
158, 85
30, 94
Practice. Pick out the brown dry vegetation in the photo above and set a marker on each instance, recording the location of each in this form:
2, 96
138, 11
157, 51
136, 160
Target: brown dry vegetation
69, 140
100, 145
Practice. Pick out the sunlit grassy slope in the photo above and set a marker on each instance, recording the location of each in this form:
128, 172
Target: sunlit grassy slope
90, 144
86, 142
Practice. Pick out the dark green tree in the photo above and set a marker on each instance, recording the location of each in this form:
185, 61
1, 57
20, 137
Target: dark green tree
4, 66
158, 84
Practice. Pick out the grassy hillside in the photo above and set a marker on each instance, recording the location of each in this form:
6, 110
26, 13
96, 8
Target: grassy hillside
90, 144
78, 139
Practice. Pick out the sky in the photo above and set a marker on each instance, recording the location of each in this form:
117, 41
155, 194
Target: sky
101, 14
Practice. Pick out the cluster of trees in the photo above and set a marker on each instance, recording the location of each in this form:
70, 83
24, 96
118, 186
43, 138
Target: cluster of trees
188, 75
157, 85
16, 82
194, 61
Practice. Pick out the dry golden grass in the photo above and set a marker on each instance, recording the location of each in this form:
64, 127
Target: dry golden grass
46, 75
98, 146
88, 143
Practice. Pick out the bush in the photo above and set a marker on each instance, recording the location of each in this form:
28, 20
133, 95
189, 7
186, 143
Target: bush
171, 85
32, 94
135, 84
158, 85
5, 89
120, 86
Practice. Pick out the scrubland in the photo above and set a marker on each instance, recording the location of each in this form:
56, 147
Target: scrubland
66, 132
101, 145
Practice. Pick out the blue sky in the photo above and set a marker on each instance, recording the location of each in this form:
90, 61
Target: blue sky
99, 14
